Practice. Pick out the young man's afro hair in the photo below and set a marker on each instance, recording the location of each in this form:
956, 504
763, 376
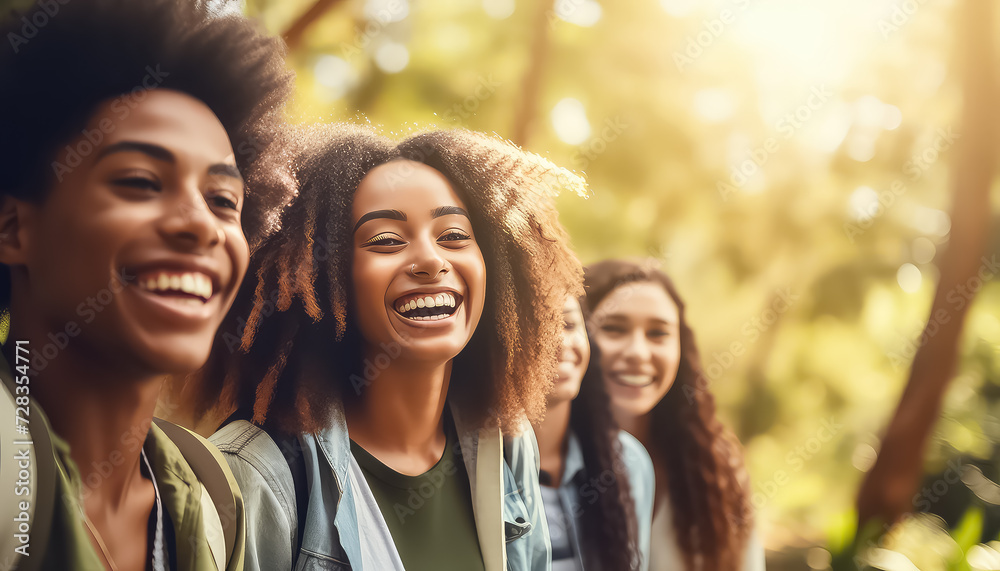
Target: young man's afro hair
60, 59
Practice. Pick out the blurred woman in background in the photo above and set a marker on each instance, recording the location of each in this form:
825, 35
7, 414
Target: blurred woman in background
597, 480
659, 394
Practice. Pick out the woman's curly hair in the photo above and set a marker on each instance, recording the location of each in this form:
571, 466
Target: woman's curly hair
60, 60
291, 345
706, 479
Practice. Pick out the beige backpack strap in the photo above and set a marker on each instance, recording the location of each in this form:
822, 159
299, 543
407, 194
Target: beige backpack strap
27, 505
488, 503
222, 503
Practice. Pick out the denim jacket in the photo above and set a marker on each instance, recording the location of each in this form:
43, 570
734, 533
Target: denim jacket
344, 528
575, 486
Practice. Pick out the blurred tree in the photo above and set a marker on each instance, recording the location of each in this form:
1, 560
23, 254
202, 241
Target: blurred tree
888, 490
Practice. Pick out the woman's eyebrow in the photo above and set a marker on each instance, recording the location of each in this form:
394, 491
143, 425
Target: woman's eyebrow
390, 214
446, 210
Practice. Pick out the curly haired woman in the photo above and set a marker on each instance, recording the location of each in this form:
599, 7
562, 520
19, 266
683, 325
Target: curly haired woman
597, 480
131, 132
395, 345
703, 518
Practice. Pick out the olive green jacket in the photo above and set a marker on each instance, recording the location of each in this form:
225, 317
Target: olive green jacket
59, 540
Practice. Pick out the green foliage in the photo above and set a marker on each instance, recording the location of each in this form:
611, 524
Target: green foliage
784, 176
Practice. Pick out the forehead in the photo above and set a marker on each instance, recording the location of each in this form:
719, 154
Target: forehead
572, 308
171, 119
638, 301
408, 186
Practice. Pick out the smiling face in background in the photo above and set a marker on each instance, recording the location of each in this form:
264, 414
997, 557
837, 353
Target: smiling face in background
636, 328
141, 244
418, 275
574, 355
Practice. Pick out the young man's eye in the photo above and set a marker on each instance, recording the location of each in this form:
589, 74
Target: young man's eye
223, 201
569, 326
383, 240
139, 182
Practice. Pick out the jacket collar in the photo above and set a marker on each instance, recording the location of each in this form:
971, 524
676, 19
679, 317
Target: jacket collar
482, 452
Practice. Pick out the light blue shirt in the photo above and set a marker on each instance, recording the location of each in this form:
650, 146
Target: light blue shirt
639, 468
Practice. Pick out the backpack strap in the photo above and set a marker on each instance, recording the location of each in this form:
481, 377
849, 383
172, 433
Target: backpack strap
222, 503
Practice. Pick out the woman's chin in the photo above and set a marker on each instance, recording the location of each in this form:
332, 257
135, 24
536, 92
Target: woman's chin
426, 351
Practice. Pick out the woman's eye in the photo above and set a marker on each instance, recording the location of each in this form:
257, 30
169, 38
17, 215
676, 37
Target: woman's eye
383, 240
568, 326
657, 333
454, 236
138, 182
613, 329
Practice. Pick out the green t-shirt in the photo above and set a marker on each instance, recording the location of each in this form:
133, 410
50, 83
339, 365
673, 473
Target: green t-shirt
429, 516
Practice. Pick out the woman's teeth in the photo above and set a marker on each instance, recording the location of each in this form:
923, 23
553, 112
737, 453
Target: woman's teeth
439, 300
635, 380
430, 317
192, 283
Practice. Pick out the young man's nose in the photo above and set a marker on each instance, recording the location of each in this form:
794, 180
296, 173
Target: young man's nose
190, 223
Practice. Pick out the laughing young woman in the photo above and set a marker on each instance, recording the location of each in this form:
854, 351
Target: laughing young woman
395, 345
124, 226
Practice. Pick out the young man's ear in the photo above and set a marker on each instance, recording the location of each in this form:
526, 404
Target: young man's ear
15, 216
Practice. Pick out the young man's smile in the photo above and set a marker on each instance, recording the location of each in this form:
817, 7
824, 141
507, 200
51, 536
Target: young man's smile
159, 201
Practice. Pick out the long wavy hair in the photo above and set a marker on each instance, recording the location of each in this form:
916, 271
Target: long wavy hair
609, 525
706, 479
290, 346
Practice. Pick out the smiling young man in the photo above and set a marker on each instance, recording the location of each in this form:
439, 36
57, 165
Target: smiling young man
124, 226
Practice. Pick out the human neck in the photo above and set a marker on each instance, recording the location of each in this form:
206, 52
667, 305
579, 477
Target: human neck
552, 434
637, 426
101, 411
400, 415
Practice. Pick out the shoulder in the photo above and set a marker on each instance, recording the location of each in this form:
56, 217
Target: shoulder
634, 454
520, 452
639, 468
753, 553
268, 488
254, 457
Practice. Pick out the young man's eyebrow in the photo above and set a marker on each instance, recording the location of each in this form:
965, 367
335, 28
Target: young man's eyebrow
225, 170
446, 210
155, 151
390, 214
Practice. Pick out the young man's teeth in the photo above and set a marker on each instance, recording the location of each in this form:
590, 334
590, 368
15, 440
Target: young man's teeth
193, 283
